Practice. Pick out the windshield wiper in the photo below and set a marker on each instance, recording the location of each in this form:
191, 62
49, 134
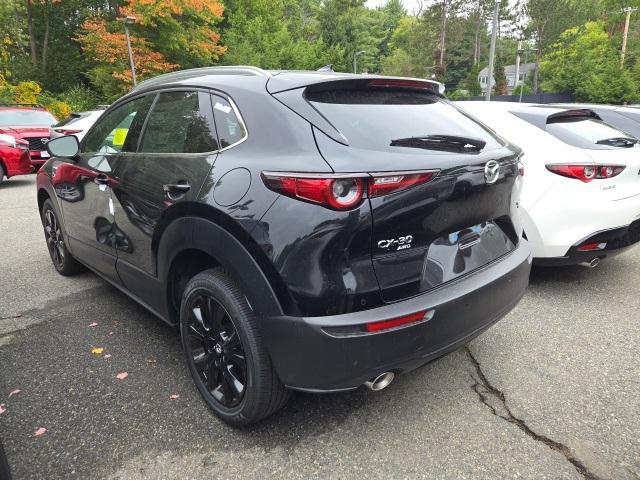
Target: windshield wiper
618, 142
447, 143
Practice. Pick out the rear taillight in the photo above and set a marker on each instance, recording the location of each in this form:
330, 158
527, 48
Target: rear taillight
66, 131
586, 173
343, 191
383, 184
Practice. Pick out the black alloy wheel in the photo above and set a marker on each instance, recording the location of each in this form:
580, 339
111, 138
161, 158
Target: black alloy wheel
55, 241
63, 260
215, 348
223, 346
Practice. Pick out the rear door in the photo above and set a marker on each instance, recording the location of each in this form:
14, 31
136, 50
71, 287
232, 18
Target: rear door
432, 232
175, 154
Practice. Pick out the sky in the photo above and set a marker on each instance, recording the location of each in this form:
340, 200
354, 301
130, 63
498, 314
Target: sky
410, 5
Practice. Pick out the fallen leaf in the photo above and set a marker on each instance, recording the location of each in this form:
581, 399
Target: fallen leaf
175, 396
39, 431
97, 350
122, 375
94, 324
15, 392
151, 361
110, 333
2, 409
108, 355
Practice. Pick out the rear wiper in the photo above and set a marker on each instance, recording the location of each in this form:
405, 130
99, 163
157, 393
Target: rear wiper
618, 141
447, 143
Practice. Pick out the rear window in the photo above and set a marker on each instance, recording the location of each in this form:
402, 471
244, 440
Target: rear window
590, 133
26, 118
373, 118
74, 117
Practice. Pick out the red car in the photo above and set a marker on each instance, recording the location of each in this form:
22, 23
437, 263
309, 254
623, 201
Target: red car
29, 123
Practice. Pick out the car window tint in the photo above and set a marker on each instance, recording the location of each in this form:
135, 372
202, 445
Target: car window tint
230, 128
373, 117
118, 130
585, 132
180, 122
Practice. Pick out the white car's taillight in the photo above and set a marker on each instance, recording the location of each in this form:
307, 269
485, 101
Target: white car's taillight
586, 173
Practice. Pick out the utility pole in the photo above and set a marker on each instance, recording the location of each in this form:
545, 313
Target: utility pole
492, 51
129, 20
518, 52
443, 34
628, 11
355, 60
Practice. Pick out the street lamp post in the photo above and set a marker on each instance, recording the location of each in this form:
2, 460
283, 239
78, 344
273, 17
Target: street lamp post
492, 50
129, 20
355, 60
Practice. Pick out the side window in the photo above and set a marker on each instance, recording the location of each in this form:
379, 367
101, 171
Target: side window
118, 130
230, 128
180, 122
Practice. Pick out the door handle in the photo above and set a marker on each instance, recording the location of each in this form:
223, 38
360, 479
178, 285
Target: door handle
101, 179
176, 188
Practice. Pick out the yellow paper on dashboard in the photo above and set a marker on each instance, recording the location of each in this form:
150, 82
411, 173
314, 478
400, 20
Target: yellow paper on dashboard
119, 136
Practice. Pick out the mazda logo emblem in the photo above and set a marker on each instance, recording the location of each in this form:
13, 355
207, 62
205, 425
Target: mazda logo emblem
491, 171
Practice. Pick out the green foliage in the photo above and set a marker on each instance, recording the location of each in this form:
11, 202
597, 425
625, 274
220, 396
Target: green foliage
80, 98
500, 87
471, 83
274, 34
585, 63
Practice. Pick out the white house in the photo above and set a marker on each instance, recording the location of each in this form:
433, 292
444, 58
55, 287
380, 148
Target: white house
526, 69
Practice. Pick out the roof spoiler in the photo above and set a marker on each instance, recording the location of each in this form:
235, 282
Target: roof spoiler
570, 115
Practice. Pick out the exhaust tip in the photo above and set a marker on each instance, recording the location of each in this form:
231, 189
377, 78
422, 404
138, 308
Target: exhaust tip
593, 263
380, 382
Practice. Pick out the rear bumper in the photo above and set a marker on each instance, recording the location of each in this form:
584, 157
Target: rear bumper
617, 239
309, 358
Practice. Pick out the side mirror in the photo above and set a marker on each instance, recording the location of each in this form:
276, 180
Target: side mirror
65, 147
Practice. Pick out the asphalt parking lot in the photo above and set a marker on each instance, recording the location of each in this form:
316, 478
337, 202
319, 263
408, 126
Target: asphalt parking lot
552, 391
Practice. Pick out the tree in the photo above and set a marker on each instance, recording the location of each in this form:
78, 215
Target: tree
585, 62
167, 35
547, 19
500, 87
276, 34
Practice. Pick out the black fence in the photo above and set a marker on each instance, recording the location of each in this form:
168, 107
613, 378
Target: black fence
532, 98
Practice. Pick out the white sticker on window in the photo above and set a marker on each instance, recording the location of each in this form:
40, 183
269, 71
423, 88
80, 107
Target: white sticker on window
222, 108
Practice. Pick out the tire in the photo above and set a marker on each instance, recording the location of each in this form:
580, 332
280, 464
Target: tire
219, 334
62, 260
1, 173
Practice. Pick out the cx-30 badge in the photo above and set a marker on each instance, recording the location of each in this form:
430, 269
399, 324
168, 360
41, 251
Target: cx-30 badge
491, 171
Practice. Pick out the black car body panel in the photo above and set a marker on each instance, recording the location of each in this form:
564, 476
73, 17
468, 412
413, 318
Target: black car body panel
462, 310
149, 202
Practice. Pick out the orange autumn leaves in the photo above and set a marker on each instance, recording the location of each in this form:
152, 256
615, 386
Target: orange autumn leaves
167, 35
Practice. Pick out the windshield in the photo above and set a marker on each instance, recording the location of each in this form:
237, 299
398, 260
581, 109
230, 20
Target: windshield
378, 118
26, 118
588, 133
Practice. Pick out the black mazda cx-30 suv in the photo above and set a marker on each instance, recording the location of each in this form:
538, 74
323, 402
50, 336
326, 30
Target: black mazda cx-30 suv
305, 230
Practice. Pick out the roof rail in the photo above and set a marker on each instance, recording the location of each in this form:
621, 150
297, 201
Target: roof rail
222, 70
14, 104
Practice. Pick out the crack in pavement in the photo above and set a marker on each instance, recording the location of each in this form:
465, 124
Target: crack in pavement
484, 389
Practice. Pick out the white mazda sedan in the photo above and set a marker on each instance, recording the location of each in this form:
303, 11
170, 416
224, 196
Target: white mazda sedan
581, 193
